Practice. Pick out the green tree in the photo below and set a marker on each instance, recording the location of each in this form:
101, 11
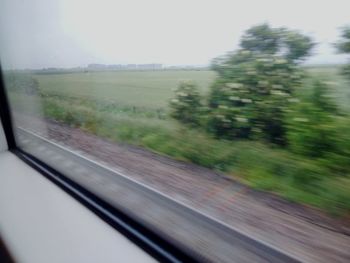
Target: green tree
343, 46
261, 39
256, 83
297, 46
290, 44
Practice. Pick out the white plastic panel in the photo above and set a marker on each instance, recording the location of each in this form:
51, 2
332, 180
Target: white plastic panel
41, 223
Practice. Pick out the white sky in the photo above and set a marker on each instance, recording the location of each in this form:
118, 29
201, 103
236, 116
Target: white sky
68, 33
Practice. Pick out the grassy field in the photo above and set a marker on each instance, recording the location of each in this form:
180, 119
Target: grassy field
132, 107
150, 89
153, 89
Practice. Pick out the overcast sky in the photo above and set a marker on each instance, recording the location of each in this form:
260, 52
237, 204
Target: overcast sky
69, 33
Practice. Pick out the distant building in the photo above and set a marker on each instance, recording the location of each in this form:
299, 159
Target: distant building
153, 66
150, 66
97, 66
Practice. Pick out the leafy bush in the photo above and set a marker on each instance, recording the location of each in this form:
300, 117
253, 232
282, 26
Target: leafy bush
339, 159
186, 105
251, 95
311, 131
312, 124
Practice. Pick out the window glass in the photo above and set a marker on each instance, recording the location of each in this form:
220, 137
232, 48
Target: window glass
222, 125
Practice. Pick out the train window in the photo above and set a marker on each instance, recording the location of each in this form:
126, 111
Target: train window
222, 126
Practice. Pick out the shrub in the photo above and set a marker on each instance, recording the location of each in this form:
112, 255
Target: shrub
250, 98
186, 105
312, 124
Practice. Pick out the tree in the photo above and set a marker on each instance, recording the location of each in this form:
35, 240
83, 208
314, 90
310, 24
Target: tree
262, 39
186, 105
256, 83
290, 44
297, 45
343, 46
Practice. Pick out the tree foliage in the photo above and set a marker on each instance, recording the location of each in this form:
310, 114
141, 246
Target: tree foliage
256, 83
262, 39
343, 46
312, 123
290, 44
186, 105
297, 46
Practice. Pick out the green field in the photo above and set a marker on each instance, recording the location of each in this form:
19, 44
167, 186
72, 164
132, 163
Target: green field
153, 89
132, 107
150, 89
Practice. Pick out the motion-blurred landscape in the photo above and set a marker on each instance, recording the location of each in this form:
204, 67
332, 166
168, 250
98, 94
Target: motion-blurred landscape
257, 128
133, 107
